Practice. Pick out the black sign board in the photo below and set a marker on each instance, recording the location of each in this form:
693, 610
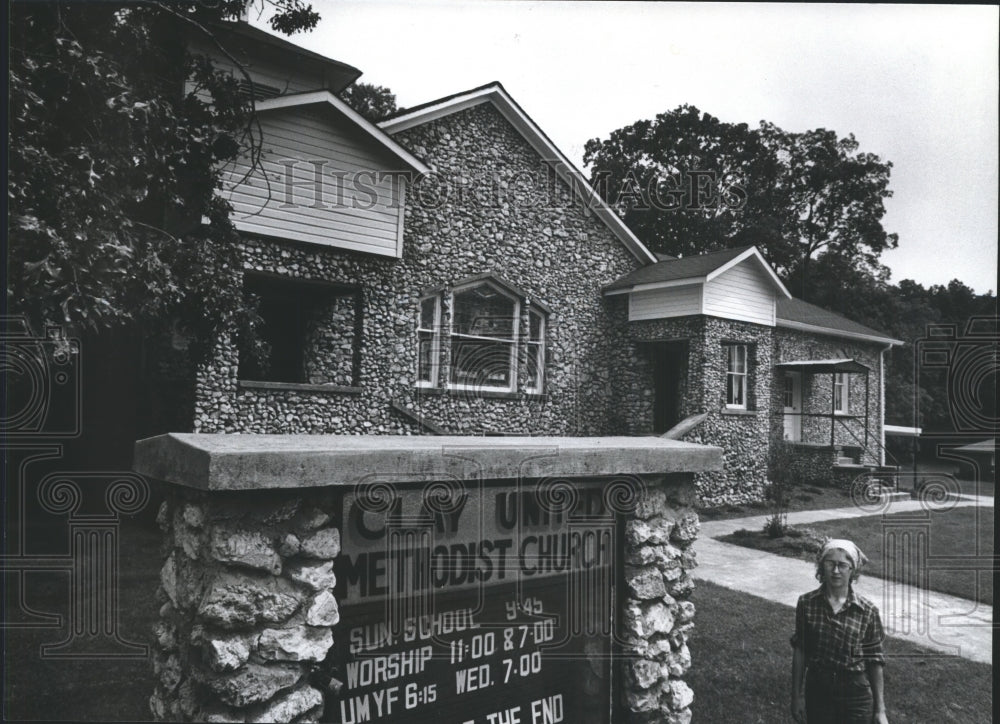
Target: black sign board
490, 605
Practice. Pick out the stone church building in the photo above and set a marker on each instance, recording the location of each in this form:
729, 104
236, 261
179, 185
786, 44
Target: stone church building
449, 271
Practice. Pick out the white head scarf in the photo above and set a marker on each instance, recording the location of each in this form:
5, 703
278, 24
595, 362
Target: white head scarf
854, 554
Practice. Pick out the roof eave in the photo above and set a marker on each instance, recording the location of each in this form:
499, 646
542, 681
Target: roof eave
609, 291
323, 96
830, 331
345, 73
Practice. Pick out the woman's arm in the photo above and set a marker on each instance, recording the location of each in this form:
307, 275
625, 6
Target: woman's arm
798, 642
875, 678
798, 692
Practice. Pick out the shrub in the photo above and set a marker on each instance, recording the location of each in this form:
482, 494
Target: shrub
776, 525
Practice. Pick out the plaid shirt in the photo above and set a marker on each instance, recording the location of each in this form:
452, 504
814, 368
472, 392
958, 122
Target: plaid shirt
844, 641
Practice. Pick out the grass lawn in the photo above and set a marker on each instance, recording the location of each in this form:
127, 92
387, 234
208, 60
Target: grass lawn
741, 673
807, 497
816, 497
963, 531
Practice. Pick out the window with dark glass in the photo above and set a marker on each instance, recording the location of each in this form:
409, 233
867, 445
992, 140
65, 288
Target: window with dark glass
308, 332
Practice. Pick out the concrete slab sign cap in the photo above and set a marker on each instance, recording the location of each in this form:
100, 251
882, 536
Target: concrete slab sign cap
247, 462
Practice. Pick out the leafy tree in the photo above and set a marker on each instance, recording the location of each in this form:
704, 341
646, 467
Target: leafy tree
373, 102
834, 198
688, 183
113, 166
680, 181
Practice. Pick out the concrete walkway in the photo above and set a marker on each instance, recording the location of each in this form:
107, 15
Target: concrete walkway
937, 621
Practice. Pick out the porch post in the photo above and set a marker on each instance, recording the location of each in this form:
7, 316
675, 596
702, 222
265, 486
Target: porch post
867, 390
833, 404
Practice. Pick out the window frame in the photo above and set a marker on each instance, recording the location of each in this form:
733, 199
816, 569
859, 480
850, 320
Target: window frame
435, 340
536, 346
306, 294
512, 340
730, 347
841, 401
526, 351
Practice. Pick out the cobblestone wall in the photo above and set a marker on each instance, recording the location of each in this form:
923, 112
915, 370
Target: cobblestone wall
805, 464
328, 356
658, 617
503, 214
744, 434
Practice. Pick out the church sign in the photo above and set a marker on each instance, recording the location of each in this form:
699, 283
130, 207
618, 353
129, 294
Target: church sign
470, 603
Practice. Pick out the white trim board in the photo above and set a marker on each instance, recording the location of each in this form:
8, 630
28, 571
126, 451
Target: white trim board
751, 252
326, 97
536, 138
815, 329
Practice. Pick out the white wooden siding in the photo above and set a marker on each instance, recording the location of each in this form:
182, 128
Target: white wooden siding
344, 215
743, 293
669, 302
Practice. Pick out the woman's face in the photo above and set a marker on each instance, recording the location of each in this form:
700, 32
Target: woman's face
837, 568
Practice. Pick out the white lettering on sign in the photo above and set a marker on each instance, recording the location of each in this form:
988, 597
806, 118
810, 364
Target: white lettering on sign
381, 669
371, 637
477, 677
507, 716
548, 710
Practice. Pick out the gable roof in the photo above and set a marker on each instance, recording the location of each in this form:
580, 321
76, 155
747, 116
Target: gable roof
338, 75
790, 313
797, 314
324, 97
693, 269
496, 94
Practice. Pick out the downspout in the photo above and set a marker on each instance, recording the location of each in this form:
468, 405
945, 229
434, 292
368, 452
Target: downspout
881, 403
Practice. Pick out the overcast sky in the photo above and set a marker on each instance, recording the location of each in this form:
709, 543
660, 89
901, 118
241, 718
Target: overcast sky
917, 85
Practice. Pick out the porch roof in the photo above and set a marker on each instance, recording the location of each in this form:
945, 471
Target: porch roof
820, 366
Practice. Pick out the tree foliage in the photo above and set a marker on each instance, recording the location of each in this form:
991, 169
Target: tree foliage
374, 102
688, 183
917, 393
114, 217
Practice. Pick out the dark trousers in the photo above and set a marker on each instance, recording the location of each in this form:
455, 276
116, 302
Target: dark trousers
838, 697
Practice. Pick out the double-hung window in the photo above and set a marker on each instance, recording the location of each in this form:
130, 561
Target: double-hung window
840, 391
493, 339
484, 337
736, 376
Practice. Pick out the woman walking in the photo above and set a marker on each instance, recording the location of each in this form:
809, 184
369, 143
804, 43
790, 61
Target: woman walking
837, 655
